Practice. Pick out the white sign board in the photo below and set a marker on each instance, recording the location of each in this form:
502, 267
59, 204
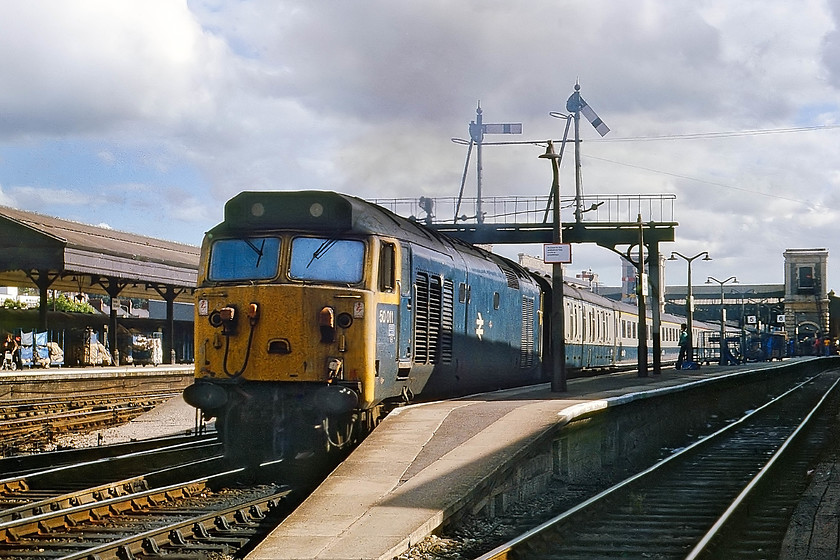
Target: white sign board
554, 253
503, 128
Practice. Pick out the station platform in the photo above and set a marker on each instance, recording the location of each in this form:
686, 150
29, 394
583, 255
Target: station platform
814, 528
39, 383
418, 467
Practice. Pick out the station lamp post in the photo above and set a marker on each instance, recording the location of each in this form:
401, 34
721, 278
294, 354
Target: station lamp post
689, 301
558, 320
734, 280
742, 295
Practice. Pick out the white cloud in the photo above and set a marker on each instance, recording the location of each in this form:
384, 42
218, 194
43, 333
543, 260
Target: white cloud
363, 97
38, 196
91, 66
5, 199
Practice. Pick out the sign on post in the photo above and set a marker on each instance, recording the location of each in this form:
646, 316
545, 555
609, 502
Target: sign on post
557, 253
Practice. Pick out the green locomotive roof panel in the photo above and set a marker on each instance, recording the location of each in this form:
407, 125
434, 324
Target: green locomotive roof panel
289, 210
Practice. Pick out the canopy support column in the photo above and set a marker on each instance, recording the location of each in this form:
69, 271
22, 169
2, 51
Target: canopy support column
168, 293
43, 279
112, 286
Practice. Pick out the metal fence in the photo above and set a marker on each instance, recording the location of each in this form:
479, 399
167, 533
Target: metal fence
611, 208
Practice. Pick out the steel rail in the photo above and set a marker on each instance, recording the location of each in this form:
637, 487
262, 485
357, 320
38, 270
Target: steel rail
119, 488
43, 424
149, 542
19, 465
104, 467
11, 531
704, 543
508, 550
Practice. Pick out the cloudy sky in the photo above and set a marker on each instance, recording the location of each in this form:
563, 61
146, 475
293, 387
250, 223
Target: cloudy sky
147, 115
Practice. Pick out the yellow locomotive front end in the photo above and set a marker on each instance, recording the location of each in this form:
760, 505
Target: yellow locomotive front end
285, 334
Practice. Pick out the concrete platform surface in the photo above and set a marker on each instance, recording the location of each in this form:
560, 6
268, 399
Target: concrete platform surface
420, 464
814, 529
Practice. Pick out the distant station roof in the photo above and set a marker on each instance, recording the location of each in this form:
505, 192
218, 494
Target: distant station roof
77, 257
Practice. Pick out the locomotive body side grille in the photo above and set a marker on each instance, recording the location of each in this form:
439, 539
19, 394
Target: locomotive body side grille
433, 320
526, 352
421, 319
510, 275
447, 321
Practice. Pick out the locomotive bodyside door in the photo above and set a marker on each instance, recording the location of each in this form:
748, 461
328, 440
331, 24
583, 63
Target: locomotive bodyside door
387, 310
404, 343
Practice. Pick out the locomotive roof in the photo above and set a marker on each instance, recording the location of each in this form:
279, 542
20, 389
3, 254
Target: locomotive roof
334, 213
317, 211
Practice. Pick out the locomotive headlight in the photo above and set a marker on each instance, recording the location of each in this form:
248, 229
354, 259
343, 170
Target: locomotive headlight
215, 319
345, 320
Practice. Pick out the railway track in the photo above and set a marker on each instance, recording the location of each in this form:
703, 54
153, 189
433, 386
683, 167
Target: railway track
87, 481
184, 499
25, 424
729, 495
19, 465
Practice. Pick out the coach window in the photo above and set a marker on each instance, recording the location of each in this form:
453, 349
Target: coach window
387, 254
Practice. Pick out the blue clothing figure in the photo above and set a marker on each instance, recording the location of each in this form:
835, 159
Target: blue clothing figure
685, 347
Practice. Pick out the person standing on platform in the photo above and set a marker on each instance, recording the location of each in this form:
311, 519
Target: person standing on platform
684, 346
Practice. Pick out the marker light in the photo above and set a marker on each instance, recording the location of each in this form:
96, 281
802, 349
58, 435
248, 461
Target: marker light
253, 313
326, 322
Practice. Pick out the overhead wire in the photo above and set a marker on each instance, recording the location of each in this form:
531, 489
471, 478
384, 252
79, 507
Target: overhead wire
706, 181
690, 136
727, 134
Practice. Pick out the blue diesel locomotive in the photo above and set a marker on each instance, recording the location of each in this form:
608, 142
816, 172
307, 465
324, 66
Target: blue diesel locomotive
317, 313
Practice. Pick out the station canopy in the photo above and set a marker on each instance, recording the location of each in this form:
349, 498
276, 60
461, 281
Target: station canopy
78, 258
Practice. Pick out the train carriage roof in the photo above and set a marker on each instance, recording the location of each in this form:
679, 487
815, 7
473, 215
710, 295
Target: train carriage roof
581, 294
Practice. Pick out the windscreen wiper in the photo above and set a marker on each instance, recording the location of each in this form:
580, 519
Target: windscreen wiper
257, 250
322, 249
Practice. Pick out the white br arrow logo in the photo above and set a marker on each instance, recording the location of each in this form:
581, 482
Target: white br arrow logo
479, 326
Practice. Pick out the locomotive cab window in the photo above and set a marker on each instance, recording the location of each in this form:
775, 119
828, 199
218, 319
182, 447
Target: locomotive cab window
250, 258
330, 260
387, 257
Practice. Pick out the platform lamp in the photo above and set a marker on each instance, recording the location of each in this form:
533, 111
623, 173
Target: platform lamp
689, 301
734, 280
558, 321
